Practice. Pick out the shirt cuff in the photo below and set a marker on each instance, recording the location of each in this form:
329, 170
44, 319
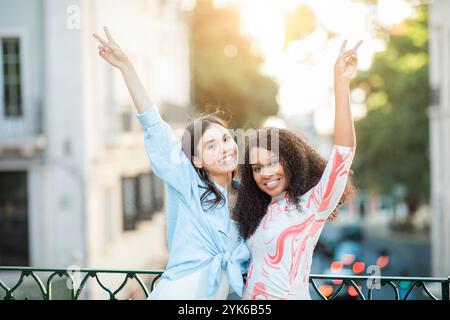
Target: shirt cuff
149, 118
347, 151
343, 148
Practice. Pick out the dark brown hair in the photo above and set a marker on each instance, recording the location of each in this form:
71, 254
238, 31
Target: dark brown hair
191, 137
302, 165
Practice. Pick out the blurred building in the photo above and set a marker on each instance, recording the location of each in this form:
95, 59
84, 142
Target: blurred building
439, 114
76, 186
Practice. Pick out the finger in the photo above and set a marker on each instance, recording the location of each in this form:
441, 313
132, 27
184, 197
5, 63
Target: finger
348, 53
350, 56
342, 50
103, 41
100, 39
356, 47
353, 61
106, 49
108, 35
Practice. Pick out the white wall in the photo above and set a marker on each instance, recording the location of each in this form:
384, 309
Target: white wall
24, 19
75, 196
439, 114
64, 127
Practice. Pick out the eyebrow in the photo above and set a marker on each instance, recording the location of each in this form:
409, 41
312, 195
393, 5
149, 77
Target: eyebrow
212, 140
270, 160
209, 141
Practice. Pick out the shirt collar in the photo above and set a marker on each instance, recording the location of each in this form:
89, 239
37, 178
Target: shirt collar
234, 184
280, 196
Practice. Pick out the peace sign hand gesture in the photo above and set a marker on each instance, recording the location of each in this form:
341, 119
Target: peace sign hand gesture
111, 52
346, 62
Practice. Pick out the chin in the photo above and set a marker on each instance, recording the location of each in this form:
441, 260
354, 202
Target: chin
224, 169
227, 167
273, 193
230, 167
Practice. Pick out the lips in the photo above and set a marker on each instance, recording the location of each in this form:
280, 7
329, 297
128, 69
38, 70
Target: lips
272, 183
227, 160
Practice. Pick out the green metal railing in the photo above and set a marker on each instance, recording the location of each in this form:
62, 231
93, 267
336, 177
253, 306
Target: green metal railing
45, 282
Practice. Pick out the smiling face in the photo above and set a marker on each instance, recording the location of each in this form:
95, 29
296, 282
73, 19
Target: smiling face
217, 152
268, 172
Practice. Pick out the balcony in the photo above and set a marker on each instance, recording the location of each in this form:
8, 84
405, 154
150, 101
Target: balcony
355, 287
22, 136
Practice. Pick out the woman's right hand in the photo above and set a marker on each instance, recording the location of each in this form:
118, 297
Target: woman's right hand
334, 215
111, 52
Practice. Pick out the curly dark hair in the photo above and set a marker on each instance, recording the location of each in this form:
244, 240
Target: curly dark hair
302, 165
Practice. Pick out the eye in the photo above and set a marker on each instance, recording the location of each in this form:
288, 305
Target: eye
212, 147
257, 169
226, 138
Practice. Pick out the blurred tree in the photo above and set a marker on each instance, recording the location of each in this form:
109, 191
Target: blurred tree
299, 24
226, 71
393, 146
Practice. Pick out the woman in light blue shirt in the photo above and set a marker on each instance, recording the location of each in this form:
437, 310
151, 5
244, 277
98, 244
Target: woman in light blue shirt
207, 256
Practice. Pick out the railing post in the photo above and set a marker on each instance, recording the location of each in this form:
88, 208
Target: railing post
446, 289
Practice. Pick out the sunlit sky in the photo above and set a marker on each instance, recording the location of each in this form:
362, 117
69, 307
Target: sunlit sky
304, 69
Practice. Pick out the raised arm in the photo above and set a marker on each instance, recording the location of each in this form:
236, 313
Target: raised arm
345, 67
111, 52
325, 196
166, 157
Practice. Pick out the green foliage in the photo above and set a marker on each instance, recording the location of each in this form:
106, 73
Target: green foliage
393, 146
300, 23
226, 71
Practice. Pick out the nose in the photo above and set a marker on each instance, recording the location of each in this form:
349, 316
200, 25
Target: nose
266, 172
227, 148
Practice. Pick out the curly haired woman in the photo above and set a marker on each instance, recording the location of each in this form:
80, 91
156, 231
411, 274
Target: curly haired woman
288, 191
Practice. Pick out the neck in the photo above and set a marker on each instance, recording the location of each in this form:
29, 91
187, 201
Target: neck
280, 196
224, 180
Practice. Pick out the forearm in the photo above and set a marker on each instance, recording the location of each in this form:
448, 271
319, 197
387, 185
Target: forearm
344, 130
137, 91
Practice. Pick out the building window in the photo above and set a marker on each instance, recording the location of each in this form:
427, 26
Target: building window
126, 119
145, 202
158, 186
11, 77
13, 219
110, 217
143, 196
129, 203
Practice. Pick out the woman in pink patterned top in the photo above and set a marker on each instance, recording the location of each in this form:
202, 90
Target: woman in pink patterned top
288, 192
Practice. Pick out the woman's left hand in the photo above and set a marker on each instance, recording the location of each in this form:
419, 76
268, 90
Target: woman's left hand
346, 62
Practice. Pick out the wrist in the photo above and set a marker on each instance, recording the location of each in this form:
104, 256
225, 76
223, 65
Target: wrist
126, 67
341, 81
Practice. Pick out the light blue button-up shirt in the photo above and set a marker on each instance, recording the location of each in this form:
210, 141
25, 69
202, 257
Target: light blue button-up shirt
197, 237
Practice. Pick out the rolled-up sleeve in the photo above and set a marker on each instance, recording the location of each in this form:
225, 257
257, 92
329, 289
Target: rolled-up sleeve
166, 157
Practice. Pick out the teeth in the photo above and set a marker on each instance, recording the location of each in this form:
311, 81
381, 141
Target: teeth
273, 183
227, 159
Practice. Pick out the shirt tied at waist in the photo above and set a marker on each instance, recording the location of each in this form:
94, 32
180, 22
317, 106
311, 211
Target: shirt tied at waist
230, 261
